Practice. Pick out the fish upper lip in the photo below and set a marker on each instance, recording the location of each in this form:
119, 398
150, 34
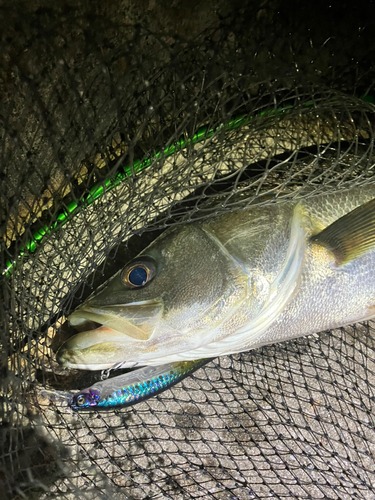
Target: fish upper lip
93, 304
83, 312
135, 320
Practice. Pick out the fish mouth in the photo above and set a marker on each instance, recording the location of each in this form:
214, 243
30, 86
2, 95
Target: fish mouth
136, 320
102, 329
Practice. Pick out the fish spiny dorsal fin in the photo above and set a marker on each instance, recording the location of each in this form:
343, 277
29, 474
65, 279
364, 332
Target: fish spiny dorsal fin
350, 236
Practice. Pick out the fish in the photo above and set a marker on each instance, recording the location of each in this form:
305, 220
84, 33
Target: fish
237, 281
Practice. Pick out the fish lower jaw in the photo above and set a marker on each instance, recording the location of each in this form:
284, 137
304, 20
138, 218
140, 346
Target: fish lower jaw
66, 359
82, 366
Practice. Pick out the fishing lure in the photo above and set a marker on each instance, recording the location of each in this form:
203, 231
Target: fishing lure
130, 388
133, 387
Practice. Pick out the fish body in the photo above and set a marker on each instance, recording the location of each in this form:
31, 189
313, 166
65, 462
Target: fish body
235, 282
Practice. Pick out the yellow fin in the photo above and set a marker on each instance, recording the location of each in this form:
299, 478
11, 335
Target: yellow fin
350, 236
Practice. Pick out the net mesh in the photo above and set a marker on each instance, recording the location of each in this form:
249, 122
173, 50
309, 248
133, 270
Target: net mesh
118, 121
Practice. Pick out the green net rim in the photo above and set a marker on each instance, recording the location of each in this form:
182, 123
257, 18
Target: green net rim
125, 172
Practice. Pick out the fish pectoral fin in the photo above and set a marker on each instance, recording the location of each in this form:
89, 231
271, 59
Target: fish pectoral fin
350, 236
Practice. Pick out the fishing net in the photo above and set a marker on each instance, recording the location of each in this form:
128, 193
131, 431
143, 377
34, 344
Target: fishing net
119, 120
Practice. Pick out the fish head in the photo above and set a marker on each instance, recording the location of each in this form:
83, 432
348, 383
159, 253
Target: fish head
171, 299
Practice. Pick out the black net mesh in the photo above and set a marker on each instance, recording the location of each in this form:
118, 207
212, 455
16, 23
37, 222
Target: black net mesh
119, 120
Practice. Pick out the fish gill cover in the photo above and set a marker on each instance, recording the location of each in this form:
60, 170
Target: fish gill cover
120, 119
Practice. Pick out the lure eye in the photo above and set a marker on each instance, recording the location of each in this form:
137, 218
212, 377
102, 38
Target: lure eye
81, 400
86, 399
139, 273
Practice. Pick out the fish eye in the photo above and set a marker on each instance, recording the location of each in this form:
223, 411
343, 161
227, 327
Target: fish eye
138, 276
81, 400
138, 273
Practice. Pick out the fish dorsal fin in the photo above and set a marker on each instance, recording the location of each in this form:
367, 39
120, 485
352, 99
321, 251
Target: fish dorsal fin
350, 236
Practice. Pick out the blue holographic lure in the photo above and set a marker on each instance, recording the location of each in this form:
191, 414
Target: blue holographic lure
133, 387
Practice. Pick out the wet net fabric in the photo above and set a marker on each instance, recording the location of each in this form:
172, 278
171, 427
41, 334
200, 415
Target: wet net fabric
117, 122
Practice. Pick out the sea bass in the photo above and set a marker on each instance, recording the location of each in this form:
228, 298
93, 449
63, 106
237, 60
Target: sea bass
237, 281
